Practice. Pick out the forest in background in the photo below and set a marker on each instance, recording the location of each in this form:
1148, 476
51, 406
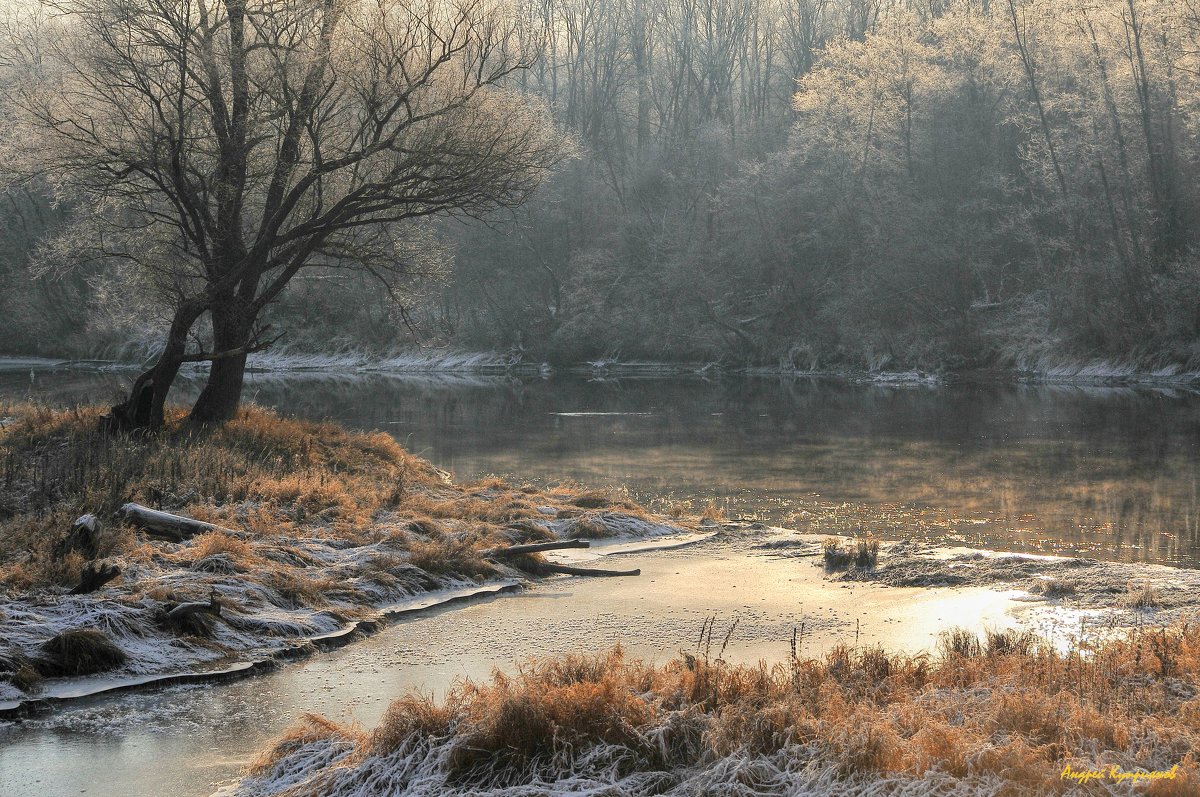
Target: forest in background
788, 183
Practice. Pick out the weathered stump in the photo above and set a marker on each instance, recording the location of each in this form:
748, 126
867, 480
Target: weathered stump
84, 538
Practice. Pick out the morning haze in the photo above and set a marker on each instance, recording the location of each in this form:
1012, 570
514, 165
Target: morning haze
546, 397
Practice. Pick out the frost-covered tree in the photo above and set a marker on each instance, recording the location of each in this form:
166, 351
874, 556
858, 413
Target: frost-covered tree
219, 147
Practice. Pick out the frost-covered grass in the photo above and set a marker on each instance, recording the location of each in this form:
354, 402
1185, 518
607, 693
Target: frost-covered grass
840, 554
318, 526
414, 361
1102, 372
1002, 716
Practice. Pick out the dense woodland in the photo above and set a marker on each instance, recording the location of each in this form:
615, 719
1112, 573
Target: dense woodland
796, 183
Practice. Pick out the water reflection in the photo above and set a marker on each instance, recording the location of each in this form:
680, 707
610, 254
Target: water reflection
1105, 472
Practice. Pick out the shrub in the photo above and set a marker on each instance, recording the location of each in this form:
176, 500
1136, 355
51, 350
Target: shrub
79, 652
837, 557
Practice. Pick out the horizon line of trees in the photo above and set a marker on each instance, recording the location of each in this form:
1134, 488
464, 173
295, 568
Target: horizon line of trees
806, 183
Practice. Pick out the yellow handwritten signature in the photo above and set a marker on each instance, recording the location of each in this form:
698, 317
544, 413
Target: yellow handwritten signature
1115, 773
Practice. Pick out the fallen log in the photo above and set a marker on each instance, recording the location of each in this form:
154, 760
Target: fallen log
212, 606
535, 547
163, 524
94, 577
83, 537
584, 571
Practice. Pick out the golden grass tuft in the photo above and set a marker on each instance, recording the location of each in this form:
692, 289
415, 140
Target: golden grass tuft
1010, 707
310, 728
714, 512
449, 556
840, 554
262, 472
217, 542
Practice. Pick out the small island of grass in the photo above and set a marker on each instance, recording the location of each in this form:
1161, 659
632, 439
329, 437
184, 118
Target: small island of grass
313, 533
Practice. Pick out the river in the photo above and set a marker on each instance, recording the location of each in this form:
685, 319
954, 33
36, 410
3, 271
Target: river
1104, 472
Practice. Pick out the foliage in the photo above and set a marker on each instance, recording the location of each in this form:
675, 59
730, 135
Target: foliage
947, 185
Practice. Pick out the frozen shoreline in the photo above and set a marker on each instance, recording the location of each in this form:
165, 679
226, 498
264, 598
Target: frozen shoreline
256, 633
869, 610
770, 579
473, 365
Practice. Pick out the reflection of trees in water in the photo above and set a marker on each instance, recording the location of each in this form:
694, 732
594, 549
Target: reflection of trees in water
1110, 468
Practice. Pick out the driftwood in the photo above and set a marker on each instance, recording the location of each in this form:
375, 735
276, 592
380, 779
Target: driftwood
83, 537
94, 577
212, 606
535, 547
551, 567
193, 618
163, 524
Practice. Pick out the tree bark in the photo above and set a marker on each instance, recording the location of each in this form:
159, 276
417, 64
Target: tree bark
145, 408
163, 524
222, 393
536, 547
551, 567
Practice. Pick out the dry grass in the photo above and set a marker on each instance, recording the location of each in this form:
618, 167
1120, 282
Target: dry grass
265, 474
1140, 596
450, 556
274, 480
55, 465
862, 552
1054, 587
714, 513
216, 542
1009, 708
83, 651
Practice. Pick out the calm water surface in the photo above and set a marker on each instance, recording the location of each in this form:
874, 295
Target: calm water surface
1110, 473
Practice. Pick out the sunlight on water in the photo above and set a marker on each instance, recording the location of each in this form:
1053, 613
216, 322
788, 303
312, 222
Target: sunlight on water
1108, 473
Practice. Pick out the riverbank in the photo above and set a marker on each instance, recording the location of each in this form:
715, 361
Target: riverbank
450, 364
315, 533
761, 584
985, 709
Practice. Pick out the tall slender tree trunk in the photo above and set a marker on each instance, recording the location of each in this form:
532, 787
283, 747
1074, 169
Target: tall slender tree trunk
222, 392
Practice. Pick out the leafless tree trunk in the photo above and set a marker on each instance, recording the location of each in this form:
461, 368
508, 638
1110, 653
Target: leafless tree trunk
226, 145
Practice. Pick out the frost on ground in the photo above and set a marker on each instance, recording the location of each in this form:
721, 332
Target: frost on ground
1004, 715
328, 767
273, 594
1130, 592
1106, 372
318, 529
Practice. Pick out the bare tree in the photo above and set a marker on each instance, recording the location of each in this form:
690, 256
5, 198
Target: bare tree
222, 146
